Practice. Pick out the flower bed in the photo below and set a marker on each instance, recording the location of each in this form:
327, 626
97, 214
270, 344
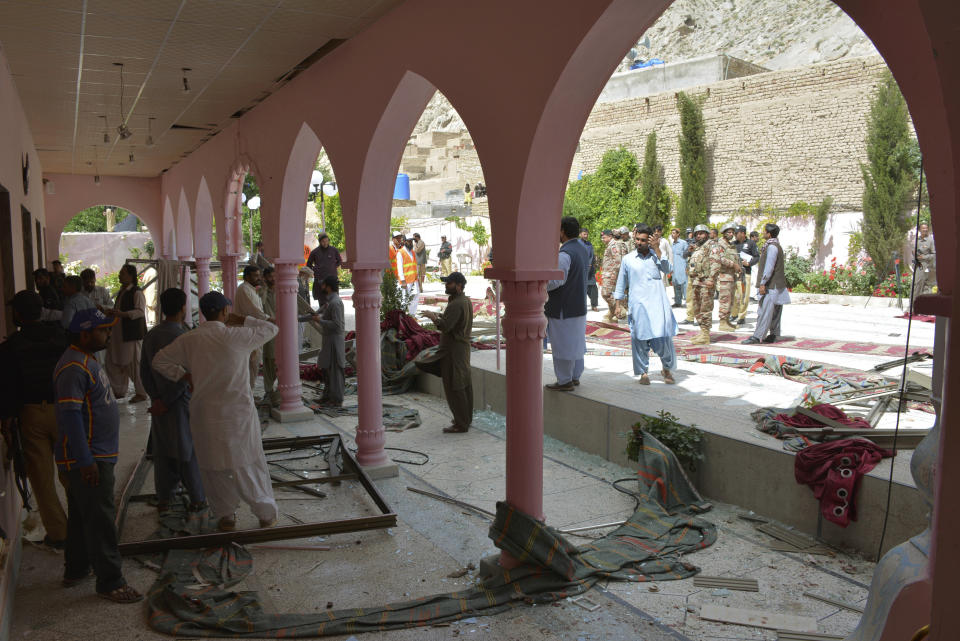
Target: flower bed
838, 279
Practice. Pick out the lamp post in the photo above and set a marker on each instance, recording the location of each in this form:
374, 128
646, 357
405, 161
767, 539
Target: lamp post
320, 184
253, 205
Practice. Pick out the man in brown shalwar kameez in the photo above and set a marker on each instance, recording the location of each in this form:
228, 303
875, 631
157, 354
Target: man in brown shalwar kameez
451, 362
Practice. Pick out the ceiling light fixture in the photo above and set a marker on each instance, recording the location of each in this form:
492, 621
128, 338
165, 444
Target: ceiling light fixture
122, 129
150, 132
131, 156
106, 135
96, 180
186, 81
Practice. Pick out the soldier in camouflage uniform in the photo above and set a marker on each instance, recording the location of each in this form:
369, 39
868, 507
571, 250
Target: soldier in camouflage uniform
704, 268
610, 270
729, 275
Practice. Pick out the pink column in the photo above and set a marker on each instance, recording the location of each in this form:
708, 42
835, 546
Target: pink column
366, 304
524, 327
203, 275
287, 350
185, 285
228, 267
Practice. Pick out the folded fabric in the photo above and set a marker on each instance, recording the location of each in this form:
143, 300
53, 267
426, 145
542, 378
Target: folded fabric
833, 471
826, 410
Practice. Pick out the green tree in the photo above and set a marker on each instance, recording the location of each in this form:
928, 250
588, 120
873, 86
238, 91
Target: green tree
333, 216
609, 197
889, 177
250, 189
654, 201
94, 220
692, 209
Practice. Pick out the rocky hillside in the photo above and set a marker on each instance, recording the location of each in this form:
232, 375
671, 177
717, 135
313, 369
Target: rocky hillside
777, 34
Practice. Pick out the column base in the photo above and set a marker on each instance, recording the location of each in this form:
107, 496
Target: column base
493, 566
302, 413
384, 471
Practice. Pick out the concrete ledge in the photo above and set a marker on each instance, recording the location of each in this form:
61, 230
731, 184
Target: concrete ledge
303, 413
741, 465
385, 471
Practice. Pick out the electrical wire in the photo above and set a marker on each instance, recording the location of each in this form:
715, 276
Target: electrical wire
903, 374
635, 495
426, 457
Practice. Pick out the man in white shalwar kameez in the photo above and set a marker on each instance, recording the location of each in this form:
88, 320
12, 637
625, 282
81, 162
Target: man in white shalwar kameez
223, 418
249, 303
651, 320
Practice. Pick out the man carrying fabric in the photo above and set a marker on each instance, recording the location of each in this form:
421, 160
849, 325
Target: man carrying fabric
704, 268
224, 422
28, 360
324, 261
99, 295
652, 325
268, 298
566, 308
174, 460
679, 247
445, 253
730, 270
772, 288
249, 304
745, 247
73, 299
332, 358
610, 271
420, 252
591, 268
451, 362
123, 353
924, 262
88, 428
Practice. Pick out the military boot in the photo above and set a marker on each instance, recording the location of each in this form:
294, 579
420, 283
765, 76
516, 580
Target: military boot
703, 338
725, 326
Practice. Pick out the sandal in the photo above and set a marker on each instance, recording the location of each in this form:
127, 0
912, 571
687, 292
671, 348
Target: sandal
123, 594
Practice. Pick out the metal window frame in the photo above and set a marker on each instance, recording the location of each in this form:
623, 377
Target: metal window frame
349, 469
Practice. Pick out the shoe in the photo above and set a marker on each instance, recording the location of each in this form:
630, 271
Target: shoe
227, 523
55, 545
668, 377
644, 379
594, 309
576, 382
268, 523
727, 327
740, 321
560, 387
703, 338
455, 429
137, 398
687, 321
770, 339
123, 594
751, 341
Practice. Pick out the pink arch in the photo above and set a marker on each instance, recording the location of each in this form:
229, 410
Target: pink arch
366, 206
168, 246
296, 182
203, 222
183, 226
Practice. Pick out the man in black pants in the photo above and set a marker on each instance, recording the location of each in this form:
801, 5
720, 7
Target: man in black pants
88, 425
592, 292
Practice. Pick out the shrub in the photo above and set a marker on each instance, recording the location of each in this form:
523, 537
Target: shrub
654, 205
345, 278
796, 268
692, 209
683, 441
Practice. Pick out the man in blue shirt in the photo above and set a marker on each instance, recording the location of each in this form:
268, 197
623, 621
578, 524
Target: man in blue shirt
74, 299
88, 426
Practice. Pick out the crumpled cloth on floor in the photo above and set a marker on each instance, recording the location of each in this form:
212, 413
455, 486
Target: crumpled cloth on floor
833, 471
826, 410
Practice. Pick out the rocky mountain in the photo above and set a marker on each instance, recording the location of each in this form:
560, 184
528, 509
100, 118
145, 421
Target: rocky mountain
776, 34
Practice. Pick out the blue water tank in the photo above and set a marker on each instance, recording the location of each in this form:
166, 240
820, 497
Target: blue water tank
401, 190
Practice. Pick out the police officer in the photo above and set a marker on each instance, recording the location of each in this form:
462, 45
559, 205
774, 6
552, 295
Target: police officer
704, 268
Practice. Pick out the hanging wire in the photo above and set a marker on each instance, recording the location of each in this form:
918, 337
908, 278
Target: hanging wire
903, 373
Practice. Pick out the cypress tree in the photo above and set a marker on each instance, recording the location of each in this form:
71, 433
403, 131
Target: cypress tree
889, 177
692, 208
654, 200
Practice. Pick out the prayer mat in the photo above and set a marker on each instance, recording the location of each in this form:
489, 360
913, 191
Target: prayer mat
814, 344
191, 597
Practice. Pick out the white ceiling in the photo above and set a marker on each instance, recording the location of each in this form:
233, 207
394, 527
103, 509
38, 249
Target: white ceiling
62, 55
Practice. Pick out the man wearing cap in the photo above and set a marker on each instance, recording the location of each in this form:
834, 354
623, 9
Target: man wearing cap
610, 271
405, 268
745, 247
224, 422
332, 358
88, 428
250, 304
704, 267
324, 261
445, 253
566, 308
28, 360
451, 361
730, 269
174, 459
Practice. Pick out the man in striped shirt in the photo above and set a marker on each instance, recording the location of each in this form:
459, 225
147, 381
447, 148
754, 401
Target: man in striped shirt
88, 427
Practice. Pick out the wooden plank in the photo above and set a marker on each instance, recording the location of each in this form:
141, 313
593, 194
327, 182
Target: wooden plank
757, 618
793, 538
822, 419
730, 583
837, 602
787, 635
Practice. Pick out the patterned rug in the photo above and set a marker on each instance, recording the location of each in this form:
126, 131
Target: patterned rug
816, 344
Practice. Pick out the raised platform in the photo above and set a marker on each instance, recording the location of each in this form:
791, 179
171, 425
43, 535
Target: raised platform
742, 466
